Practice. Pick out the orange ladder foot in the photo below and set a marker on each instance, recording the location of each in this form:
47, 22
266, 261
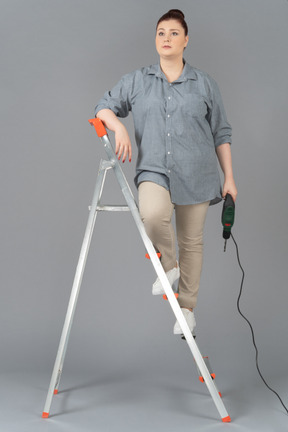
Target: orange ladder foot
45, 415
226, 419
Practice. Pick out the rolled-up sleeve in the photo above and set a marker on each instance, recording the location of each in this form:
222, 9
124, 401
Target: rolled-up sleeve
117, 99
221, 129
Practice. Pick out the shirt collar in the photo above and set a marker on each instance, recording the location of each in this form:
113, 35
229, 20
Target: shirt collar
187, 73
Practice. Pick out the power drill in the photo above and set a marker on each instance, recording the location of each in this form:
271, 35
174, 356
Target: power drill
228, 216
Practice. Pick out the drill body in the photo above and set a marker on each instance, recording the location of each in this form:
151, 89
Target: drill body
228, 216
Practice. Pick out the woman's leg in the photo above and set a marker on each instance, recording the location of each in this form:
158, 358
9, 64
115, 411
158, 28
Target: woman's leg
156, 212
190, 221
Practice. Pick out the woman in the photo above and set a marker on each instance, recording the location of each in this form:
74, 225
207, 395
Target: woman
180, 130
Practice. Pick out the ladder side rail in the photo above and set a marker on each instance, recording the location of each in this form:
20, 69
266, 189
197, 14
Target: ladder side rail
163, 278
104, 166
58, 366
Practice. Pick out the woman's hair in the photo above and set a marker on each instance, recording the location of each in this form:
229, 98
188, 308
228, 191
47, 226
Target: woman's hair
177, 15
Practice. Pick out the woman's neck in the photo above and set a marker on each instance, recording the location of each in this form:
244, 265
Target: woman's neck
172, 68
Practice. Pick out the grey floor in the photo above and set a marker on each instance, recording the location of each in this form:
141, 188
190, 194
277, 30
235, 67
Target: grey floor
130, 397
124, 369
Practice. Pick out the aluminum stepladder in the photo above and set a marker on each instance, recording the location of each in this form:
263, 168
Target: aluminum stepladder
205, 374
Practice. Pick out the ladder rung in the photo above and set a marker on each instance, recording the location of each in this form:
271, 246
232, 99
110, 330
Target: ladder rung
112, 208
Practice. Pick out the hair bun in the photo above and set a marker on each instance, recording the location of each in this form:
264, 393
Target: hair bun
177, 11
174, 14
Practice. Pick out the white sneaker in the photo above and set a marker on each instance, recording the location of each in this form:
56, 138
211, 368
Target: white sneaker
190, 318
172, 275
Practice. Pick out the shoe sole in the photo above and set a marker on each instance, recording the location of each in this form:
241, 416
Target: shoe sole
183, 337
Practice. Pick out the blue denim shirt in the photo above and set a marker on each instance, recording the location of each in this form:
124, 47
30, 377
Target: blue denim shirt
178, 125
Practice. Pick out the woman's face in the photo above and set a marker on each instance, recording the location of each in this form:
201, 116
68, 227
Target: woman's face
170, 39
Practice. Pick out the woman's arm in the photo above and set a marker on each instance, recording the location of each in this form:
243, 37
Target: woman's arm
122, 140
225, 159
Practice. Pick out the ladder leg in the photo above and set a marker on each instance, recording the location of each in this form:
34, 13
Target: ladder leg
180, 317
58, 366
164, 281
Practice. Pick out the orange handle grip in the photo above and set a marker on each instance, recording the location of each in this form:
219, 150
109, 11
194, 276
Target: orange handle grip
99, 126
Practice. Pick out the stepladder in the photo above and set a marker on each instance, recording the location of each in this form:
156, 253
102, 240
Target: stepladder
111, 164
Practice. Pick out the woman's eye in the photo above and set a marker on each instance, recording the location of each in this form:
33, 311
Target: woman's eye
174, 33
160, 34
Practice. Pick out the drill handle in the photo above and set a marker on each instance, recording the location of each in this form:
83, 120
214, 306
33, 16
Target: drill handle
229, 201
228, 215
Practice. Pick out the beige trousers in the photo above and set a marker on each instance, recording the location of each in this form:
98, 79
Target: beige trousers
156, 210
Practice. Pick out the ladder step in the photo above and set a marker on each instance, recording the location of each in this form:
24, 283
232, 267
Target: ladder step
166, 298
213, 376
148, 256
111, 208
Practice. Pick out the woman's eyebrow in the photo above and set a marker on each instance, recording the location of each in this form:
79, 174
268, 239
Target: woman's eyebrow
165, 29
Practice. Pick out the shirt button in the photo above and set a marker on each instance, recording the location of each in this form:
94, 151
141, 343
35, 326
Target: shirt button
168, 134
169, 152
169, 97
168, 115
169, 171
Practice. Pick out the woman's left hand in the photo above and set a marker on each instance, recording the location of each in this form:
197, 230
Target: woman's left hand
230, 187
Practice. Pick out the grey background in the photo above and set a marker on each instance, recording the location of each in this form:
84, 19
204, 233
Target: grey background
124, 368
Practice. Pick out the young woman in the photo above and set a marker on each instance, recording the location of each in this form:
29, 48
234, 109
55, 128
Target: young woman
180, 130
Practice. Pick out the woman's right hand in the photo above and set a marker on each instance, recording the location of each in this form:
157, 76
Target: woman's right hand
122, 140
123, 144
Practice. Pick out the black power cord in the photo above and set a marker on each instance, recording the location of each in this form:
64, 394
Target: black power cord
251, 328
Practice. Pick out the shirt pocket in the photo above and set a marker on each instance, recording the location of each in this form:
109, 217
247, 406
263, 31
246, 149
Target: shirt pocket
194, 105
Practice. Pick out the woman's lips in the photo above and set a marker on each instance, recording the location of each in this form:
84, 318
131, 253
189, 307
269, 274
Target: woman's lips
166, 46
